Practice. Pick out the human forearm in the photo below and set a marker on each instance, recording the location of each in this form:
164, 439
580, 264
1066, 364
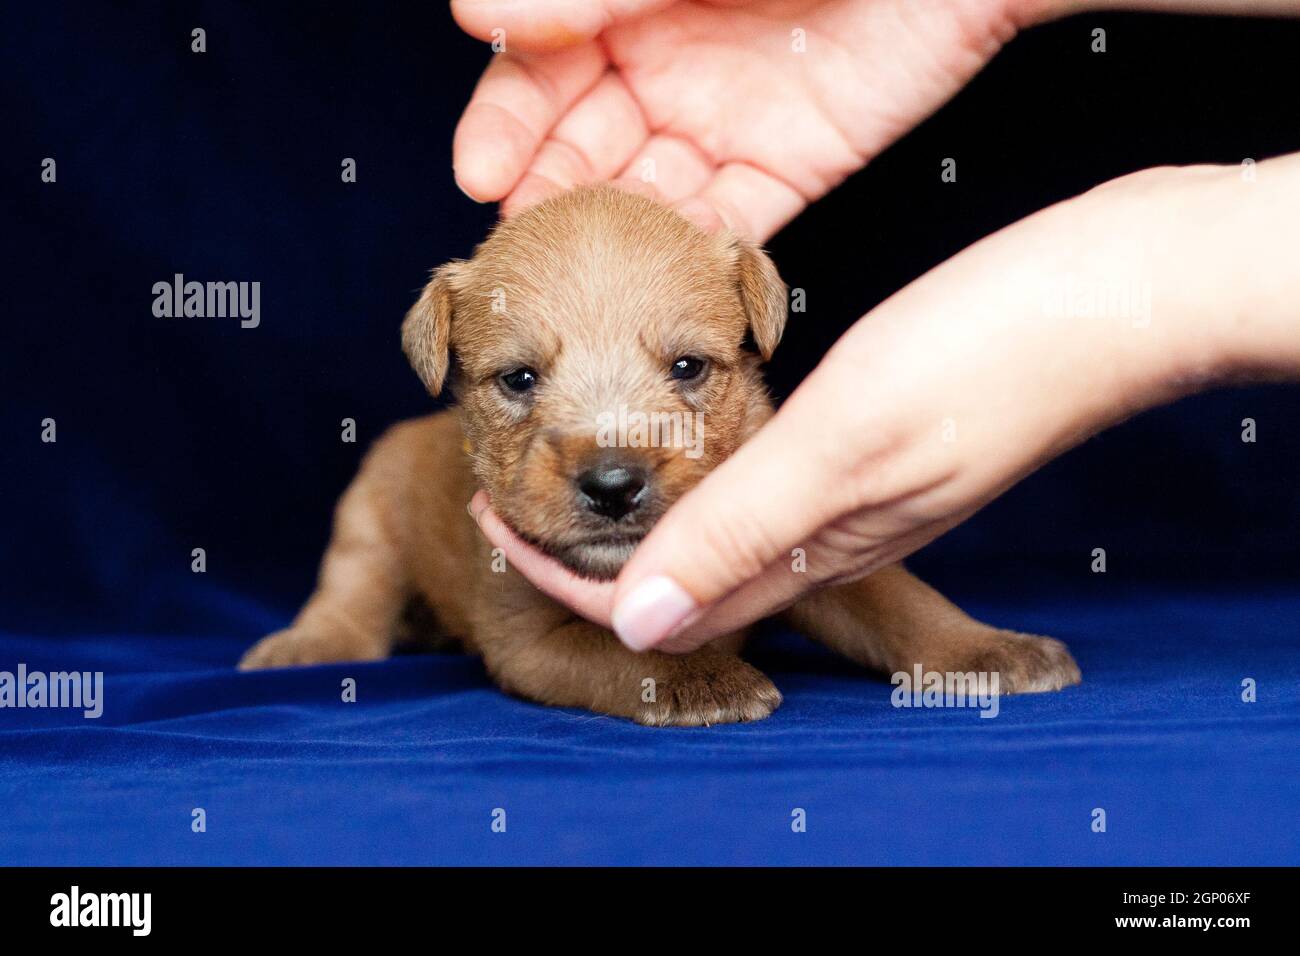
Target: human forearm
1246, 269
1151, 286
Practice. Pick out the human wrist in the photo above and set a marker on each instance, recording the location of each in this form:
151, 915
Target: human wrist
1223, 270
1152, 266
1254, 314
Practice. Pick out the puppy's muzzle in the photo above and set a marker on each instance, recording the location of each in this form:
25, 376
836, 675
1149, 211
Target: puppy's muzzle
614, 488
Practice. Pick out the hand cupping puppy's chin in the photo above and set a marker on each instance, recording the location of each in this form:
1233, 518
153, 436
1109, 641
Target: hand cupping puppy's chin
600, 561
595, 560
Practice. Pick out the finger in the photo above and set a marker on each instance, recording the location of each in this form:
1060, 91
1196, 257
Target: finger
775, 589
517, 101
745, 200
599, 134
677, 168
591, 599
645, 189
592, 142
769, 497
545, 25
700, 212
533, 189
785, 581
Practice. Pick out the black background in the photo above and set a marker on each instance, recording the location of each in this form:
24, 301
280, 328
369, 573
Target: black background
337, 906
183, 433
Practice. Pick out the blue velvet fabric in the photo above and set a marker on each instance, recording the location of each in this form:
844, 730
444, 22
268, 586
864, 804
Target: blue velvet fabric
1158, 737
177, 434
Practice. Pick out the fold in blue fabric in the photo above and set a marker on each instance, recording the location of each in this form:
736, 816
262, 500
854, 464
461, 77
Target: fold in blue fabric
1159, 738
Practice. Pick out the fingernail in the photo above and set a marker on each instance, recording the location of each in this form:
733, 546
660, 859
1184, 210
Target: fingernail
700, 213
655, 608
476, 513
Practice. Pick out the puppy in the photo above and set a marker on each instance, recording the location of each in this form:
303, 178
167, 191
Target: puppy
594, 308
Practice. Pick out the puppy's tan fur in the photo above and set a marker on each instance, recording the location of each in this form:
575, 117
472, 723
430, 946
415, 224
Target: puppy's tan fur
599, 291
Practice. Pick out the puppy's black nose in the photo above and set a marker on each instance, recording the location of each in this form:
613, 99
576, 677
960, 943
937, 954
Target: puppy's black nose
612, 489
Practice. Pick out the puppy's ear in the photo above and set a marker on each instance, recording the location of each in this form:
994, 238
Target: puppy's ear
763, 294
426, 331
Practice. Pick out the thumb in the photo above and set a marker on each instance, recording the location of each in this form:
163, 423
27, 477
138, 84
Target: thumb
538, 26
766, 499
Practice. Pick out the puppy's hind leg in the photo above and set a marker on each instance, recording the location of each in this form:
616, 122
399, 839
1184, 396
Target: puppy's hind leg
361, 591
892, 622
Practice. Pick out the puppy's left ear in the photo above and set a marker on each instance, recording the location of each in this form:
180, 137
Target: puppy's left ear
763, 294
426, 331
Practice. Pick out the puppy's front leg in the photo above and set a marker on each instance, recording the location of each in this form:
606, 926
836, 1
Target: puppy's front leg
359, 595
893, 621
578, 664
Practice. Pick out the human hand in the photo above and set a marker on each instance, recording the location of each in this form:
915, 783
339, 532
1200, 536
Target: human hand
738, 112
964, 382
711, 103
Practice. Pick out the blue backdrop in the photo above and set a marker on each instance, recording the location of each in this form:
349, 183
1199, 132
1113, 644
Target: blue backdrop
175, 434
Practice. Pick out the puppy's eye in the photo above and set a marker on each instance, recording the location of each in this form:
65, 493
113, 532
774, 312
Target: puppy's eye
519, 381
687, 368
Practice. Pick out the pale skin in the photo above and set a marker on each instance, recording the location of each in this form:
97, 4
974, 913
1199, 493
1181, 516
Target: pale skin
953, 389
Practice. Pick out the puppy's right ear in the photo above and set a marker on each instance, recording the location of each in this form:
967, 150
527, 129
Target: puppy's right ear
426, 331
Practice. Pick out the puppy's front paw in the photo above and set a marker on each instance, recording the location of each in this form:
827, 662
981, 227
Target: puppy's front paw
1024, 663
718, 690
299, 647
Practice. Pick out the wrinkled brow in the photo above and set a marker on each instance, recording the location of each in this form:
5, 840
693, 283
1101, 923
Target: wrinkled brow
496, 344
718, 342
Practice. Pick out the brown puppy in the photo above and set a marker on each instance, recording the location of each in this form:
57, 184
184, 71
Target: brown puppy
595, 337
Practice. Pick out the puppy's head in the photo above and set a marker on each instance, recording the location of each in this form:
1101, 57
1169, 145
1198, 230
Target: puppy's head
602, 349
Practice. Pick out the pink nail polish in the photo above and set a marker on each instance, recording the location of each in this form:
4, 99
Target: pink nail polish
655, 609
